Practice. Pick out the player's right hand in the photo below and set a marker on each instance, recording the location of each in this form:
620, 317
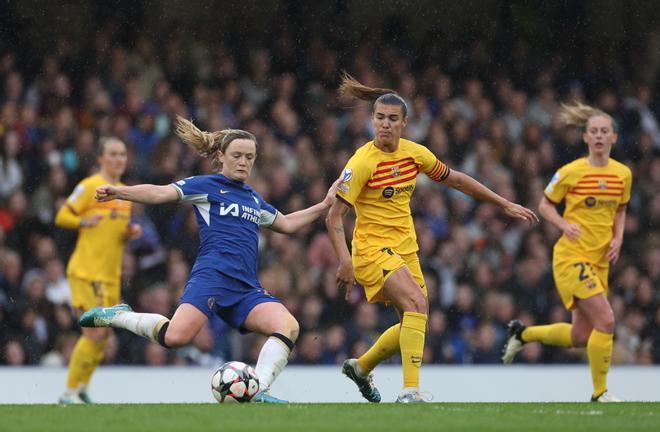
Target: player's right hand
517, 211
331, 196
571, 231
106, 193
345, 278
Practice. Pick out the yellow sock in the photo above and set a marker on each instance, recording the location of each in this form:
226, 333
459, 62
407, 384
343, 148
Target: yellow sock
599, 351
96, 360
553, 334
385, 347
411, 341
86, 356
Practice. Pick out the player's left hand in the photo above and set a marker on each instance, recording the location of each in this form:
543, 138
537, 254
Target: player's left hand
517, 211
345, 278
614, 250
133, 231
331, 196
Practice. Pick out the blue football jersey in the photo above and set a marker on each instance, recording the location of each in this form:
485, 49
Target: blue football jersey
229, 214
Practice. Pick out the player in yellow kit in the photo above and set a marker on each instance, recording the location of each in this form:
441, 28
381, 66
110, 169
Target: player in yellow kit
94, 267
378, 183
596, 190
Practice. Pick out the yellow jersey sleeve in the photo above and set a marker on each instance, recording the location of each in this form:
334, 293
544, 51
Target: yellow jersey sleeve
431, 165
81, 198
558, 187
66, 218
355, 176
627, 186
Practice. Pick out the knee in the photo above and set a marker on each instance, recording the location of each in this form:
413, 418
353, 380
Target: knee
175, 339
416, 302
606, 323
292, 329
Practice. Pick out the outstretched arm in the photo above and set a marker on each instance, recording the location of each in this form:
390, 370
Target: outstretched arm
144, 193
292, 222
67, 218
335, 224
470, 186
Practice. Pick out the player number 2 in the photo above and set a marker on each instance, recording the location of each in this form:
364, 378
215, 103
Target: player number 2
583, 267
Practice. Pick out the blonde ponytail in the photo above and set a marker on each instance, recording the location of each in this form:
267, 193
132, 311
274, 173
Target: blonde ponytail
205, 143
209, 144
578, 114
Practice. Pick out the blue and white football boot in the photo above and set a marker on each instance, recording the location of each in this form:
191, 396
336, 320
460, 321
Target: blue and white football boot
413, 396
265, 397
102, 316
365, 383
84, 396
70, 399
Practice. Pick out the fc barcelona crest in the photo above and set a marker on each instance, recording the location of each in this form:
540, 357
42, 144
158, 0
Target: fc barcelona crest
396, 172
602, 184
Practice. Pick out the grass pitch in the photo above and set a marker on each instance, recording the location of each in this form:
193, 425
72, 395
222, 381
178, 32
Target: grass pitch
507, 417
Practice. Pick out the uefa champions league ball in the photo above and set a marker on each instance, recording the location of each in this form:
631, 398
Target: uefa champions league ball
234, 382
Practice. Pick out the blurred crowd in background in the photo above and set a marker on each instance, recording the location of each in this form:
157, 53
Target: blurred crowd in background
494, 121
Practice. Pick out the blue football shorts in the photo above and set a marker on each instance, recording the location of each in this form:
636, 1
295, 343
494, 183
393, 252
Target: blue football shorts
230, 299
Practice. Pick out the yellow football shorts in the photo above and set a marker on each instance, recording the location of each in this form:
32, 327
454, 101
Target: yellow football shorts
86, 294
579, 279
373, 269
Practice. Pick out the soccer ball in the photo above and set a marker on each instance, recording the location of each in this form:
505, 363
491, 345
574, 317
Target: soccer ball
234, 382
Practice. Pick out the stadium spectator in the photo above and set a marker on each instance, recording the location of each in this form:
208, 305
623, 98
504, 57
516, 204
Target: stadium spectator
10, 169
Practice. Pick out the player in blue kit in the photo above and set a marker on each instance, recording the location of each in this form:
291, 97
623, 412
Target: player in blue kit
223, 280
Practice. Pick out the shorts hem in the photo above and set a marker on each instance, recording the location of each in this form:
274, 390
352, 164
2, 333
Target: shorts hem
574, 298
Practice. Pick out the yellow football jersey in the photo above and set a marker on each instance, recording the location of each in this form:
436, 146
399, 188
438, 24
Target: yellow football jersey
99, 249
379, 186
593, 195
